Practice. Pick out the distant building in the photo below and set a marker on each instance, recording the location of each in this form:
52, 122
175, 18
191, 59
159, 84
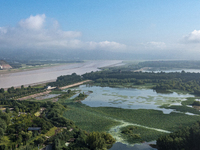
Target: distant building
4, 65
50, 88
34, 128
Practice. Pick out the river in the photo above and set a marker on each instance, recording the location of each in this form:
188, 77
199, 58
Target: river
51, 73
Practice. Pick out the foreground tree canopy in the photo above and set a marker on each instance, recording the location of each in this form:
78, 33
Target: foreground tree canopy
184, 139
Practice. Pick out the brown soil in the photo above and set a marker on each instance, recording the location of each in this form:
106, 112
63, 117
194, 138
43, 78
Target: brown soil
75, 84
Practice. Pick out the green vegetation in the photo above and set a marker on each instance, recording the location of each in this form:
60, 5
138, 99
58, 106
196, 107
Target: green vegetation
171, 64
189, 82
103, 118
66, 80
185, 139
86, 118
51, 132
51, 121
196, 103
15, 93
65, 120
80, 97
184, 108
133, 134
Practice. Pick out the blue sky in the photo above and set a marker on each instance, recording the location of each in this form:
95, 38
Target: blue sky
136, 26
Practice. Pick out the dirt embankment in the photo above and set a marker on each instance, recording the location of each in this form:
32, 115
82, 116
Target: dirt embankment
35, 95
75, 84
48, 91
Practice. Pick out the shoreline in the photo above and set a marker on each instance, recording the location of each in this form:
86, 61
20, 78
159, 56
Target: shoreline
11, 78
2, 72
33, 84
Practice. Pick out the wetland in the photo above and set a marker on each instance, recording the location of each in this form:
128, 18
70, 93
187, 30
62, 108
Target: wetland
111, 109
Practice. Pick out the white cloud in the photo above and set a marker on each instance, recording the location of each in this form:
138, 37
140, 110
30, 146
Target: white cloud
193, 37
35, 33
107, 45
154, 45
33, 22
3, 30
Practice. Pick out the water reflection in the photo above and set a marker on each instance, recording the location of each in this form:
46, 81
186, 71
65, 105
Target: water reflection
129, 98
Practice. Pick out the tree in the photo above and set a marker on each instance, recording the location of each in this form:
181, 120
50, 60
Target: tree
96, 140
3, 124
1, 90
1, 133
7, 110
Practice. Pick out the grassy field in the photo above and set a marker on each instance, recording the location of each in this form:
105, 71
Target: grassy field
88, 120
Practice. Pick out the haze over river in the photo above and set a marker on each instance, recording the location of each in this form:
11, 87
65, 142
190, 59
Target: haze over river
51, 73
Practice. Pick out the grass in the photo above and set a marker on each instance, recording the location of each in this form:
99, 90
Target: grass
5, 140
51, 132
37, 114
87, 119
139, 134
150, 118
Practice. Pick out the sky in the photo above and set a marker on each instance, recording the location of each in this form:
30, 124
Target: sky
148, 27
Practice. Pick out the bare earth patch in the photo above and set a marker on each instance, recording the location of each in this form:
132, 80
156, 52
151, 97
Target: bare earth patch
34, 95
75, 84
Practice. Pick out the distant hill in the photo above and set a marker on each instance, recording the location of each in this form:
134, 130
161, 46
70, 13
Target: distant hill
4, 65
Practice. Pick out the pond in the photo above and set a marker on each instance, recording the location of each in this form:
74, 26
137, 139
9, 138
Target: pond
131, 98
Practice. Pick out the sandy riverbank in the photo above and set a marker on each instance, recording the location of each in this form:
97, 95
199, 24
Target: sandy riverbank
30, 68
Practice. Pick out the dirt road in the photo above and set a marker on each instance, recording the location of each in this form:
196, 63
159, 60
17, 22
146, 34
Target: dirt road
75, 84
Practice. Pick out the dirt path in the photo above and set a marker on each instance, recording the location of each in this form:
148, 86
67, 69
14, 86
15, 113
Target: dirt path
75, 84
34, 95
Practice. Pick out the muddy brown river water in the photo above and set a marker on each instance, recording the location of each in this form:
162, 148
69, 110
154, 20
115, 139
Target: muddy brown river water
51, 73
